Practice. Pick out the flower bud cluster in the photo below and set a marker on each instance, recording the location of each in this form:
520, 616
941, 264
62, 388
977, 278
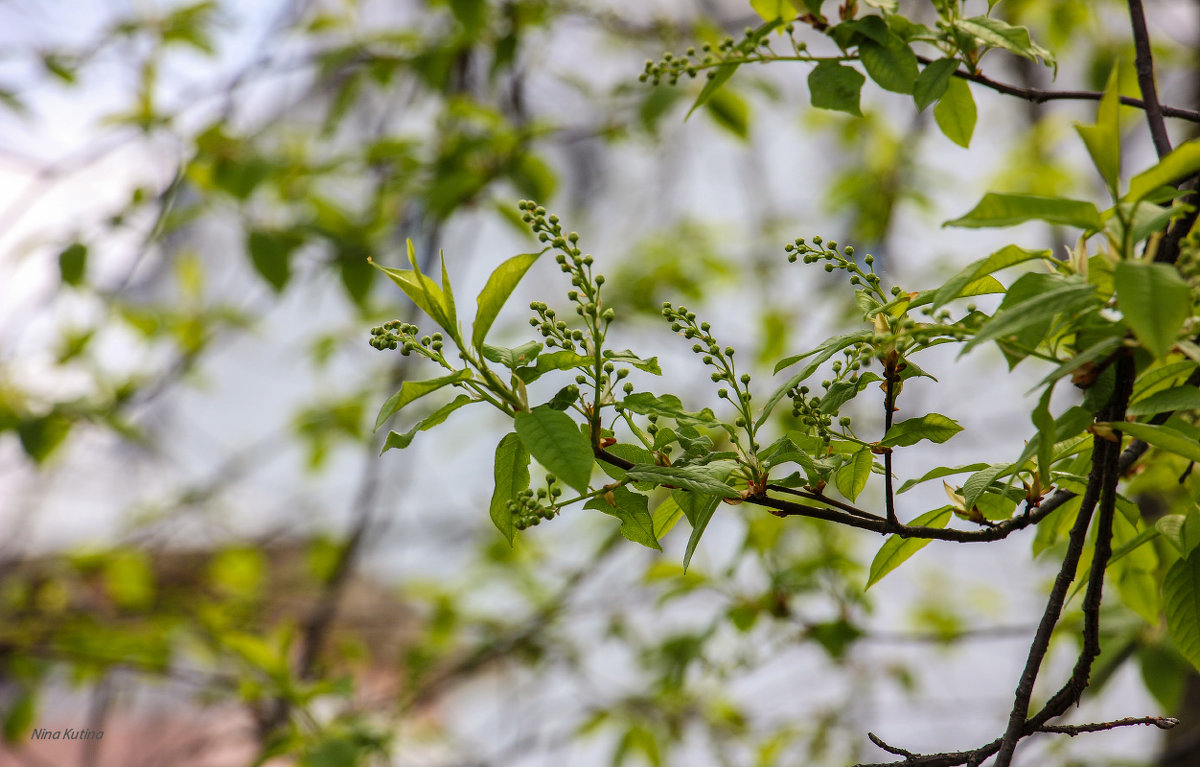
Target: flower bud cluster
749, 48
402, 335
821, 250
717, 357
529, 508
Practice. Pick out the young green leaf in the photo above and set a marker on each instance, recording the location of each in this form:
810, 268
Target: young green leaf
1047, 435
422, 291
668, 406
955, 112
627, 357
1154, 301
1163, 437
932, 426
633, 510
1103, 140
1181, 603
995, 33
496, 292
395, 440
1009, 255
1175, 167
1056, 296
1175, 398
896, 550
511, 474
702, 508
665, 515
981, 480
515, 358
555, 441
694, 478
837, 87
852, 478
719, 77
560, 360
932, 81
999, 210
938, 473
410, 391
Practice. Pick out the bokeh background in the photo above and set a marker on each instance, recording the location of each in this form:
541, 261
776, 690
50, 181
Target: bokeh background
202, 553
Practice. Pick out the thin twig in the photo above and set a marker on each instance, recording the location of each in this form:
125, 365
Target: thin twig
1161, 722
1038, 96
1054, 605
1145, 74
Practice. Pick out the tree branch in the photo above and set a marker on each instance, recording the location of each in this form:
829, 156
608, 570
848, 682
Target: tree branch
1161, 722
1145, 74
1038, 96
1054, 605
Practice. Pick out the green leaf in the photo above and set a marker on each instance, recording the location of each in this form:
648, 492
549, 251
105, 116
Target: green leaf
694, 478
932, 81
1181, 603
999, 210
955, 112
627, 357
729, 110
1163, 437
511, 475
716, 78
560, 360
893, 66
401, 441
665, 516
422, 291
852, 478
1094, 352
1175, 167
631, 453
932, 426
1154, 301
556, 442
1103, 140
271, 253
896, 550
998, 34
1009, 255
1057, 296
514, 358
496, 292
72, 263
833, 86
1047, 435
772, 10
938, 473
410, 391
702, 508
1175, 398
668, 406
19, 718
843, 391
633, 510
978, 483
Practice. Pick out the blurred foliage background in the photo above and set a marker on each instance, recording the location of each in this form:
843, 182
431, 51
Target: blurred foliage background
203, 556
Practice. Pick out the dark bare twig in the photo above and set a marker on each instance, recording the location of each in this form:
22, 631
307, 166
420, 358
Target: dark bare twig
890, 749
1161, 722
1145, 74
889, 402
1054, 605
